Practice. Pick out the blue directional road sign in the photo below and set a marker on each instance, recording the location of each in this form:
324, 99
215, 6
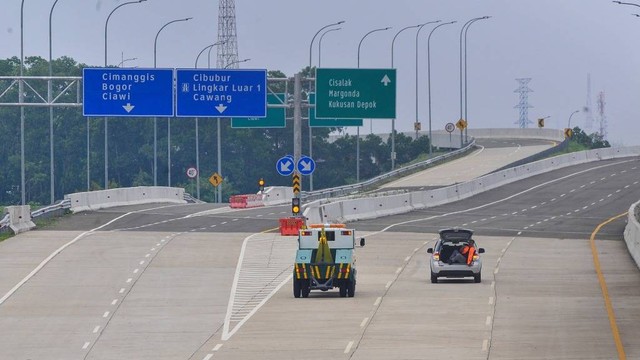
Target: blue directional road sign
221, 93
127, 92
285, 166
306, 165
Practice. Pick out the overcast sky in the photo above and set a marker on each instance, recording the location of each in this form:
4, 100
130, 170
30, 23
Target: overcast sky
554, 42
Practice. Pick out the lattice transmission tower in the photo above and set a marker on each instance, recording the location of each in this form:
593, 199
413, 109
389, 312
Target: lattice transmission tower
588, 108
603, 118
523, 105
227, 36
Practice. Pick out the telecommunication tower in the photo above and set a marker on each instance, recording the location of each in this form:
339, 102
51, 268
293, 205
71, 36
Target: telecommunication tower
588, 109
603, 118
227, 37
523, 105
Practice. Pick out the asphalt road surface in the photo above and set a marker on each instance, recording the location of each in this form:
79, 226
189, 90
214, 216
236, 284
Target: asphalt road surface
202, 282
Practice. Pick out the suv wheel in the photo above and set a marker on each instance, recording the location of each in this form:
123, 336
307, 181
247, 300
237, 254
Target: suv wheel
477, 278
305, 288
351, 287
434, 278
296, 288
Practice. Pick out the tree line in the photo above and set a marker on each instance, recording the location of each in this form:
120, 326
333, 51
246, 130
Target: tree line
247, 154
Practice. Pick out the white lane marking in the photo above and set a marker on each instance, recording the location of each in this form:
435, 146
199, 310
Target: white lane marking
239, 219
147, 255
582, 186
617, 191
142, 262
488, 321
553, 217
534, 206
96, 329
593, 203
222, 223
513, 213
129, 280
86, 345
483, 220
217, 347
348, 348
208, 357
635, 183
212, 226
158, 244
585, 207
364, 322
465, 224
491, 300
122, 290
554, 199
398, 270
601, 200
153, 249
493, 284
612, 175
543, 203
526, 227
603, 179
106, 314
496, 270
388, 284
115, 301
493, 217
576, 210
416, 249
626, 186
485, 345
136, 271
523, 210
519, 232
474, 221
563, 195
378, 301
568, 214
593, 182
163, 240
610, 195
572, 190
407, 258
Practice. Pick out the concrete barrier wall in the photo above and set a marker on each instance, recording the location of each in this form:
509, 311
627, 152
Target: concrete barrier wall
275, 195
101, 199
20, 218
632, 232
369, 208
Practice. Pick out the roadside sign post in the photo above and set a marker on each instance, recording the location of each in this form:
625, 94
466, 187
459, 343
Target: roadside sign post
450, 127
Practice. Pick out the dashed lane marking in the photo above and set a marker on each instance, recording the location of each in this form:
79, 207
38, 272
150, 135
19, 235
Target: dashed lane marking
348, 348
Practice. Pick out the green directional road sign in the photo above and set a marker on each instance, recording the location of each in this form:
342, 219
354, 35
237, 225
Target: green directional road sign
275, 116
356, 93
314, 122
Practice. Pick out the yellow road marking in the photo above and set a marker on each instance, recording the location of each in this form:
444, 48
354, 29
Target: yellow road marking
605, 291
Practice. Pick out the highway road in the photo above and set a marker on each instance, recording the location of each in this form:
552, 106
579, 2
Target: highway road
203, 282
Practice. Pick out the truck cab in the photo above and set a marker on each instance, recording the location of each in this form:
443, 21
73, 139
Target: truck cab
325, 259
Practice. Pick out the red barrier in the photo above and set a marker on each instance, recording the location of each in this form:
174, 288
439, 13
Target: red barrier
290, 226
245, 201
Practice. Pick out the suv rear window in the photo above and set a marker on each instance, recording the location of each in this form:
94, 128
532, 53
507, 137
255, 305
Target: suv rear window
455, 236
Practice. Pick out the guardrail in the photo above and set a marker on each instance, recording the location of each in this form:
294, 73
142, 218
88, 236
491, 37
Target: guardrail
380, 179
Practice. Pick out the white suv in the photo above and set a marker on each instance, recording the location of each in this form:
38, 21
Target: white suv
443, 263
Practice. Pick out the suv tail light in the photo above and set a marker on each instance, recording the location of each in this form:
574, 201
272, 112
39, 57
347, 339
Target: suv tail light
476, 257
436, 256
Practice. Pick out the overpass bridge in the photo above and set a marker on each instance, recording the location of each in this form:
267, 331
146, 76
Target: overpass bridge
198, 281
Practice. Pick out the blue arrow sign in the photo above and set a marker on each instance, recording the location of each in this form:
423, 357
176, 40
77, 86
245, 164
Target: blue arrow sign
306, 165
127, 92
284, 166
221, 93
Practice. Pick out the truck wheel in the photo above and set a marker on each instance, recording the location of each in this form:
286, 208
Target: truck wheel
296, 288
351, 287
477, 278
434, 278
343, 290
305, 289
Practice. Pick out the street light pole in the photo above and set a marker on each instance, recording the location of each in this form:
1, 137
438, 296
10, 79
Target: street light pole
358, 128
155, 119
626, 3
393, 121
320, 46
49, 99
570, 116
463, 31
415, 125
21, 99
125, 60
106, 120
465, 77
309, 107
429, 81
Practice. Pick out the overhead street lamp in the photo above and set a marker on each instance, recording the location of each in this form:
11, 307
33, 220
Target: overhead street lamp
358, 128
309, 107
155, 119
393, 121
415, 125
626, 3
49, 99
125, 60
320, 45
464, 29
106, 120
209, 52
570, 116
197, 127
429, 81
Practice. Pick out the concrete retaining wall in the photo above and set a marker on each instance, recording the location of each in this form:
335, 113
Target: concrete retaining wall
20, 218
101, 199
370, 208
632, 232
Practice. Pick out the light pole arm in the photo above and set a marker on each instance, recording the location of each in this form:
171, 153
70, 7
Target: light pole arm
314, 38
626, 3
396, 35
106, 24
155, 42
365, 35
